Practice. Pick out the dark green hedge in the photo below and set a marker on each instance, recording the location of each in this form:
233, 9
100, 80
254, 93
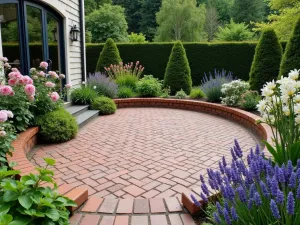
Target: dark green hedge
203, 57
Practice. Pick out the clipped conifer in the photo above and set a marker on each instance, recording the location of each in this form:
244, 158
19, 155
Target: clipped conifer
178, 72
291, 57
109, 56
266, 62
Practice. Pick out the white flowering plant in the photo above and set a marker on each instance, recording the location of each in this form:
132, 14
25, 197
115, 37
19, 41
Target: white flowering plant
233, 92
280, 108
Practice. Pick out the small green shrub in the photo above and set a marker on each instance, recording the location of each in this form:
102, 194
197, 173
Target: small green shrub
109, 56
249, 100
83, 95
233, 91
57, 126
178, 72
126, 92
106, 106
181, 94
149, 86
165, 92
127, 80
196, 93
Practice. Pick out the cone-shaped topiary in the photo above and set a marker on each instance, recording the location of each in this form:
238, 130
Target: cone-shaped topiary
178, 72
109, 55
291, 57
266, 63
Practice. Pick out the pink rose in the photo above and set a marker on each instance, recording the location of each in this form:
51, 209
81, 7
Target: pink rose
9, 113
54, 96
15, 70
4, 59
53, 74
29, 90
3, 116
6, 65
26, 80
49, 84
12, 93
30, 98
12, 82
44, 65
41, 74
68, 86
2, 133
62, 76
5, 90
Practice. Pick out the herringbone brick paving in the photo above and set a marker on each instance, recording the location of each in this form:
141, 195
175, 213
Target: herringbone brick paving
145, 152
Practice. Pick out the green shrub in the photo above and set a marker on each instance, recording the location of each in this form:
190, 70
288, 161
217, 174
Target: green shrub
57, 126
149, 86
249, 100
126, 92
181, 94
127, 80
165, 92
109, 56
196, 93
291, 57
83, 95
178, 72
232, 92
266, 63
106, 106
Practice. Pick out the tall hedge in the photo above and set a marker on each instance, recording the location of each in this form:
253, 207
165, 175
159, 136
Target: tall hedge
178, 71
291, 57
266, 63
109, 55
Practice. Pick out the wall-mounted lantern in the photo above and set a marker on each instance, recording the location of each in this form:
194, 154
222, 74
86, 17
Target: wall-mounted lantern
74, 33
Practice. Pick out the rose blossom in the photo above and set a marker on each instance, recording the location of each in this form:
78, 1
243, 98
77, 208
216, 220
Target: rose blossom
3, 116
15, 70
44, 65
68, 86
49, 84
54, 96
31, 98
53, 74
62, 76
12, 82
4, 59
29, 89
6, 65
9, 113
15, 75
12, 93
26, 80
41, 74
2, 133
5, 90
32, 70
35, 77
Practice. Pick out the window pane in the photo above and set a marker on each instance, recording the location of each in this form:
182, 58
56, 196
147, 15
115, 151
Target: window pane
53, 42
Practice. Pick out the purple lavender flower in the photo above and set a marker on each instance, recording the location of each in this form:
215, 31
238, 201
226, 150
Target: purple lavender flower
202, 179
293, 180
204, 197
252, 190
280, 175
257, 199
289, 169
224, 161
290, 207
218, 178
226, 206
242, 194
205, 189
221, 168
274, 187
233, 154
227, 216
274, 209
264, 189
298, 164
269, 170
257, 150
213, 184
237, 149
298, 173
229, 192
298, 192
234, 214
197, 203
250, 203
217, 218
219, 208
280, 197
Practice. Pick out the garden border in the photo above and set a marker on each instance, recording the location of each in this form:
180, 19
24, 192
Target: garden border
22, 146
242, 117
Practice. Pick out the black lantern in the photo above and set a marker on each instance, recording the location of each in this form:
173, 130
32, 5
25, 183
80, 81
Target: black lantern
74, 33
54, 32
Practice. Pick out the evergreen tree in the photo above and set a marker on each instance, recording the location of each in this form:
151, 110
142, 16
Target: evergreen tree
291, 57
266, 63
178, 72
109, 55
248, 11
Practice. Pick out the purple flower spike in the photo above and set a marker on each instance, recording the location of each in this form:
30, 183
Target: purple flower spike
227, 216
257, 199
274, 187
290, 207
264, 189
293, 180
221, 168
233, 154
204, 197
280, 197
202, 179
298, 173
274, 209
298, 164
298, 192
234, 214
252, 190
242, 194
280, 175
257, 150
219, 208
205, 189
289, 169
217, 218
250, 203
197, 203
237, 149
224, 161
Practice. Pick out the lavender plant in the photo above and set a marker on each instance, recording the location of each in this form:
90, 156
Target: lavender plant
258, 192
103, 85
212, 84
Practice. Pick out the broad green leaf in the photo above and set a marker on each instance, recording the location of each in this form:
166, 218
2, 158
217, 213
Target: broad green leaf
295, 152
52, 214
49, 161
4, 207
10, 196
19, 222
47, 178
273, 151
30, 182
5, 219
25, 201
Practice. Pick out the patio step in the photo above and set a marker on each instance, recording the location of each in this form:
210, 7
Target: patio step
76, 110
86, 117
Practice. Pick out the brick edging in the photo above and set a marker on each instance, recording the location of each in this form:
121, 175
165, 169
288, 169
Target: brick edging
22, 146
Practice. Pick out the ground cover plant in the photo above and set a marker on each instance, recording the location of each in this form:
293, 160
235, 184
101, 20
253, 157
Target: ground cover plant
83, 95
233, 91
105, 105
249, 100
103, 85
149, 86
196, 93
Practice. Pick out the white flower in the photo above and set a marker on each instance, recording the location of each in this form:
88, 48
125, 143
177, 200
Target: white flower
83, 82
297, 119
2, 133
297, 108
286, 110
294, 74
271, 85
94, 87
267, 92
261, 106
297, 98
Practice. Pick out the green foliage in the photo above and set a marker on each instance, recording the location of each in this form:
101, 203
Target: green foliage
127, 80
57, 126
107, 22
291, 57
137, 38
26, 201
249, 100
234, 32
90, 6
126, 92
224, 8
246, 11
88, 37
266, 63
233, 91
106, 106
83, 95
149, 86
178, 72
6, 141
196, 93
109, 55
181, 94
211, 22
180, 20
165, 92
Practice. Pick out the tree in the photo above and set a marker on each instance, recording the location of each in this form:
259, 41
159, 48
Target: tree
266, 63
148, 17
178, 72
211, 22
246, 11
90, 6
234, 32
139, 38
180, 20
109, 56
283, 17
107, 22
102, 2
223, 7
291, 57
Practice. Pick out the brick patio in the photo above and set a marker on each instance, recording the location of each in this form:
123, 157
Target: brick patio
145, 152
